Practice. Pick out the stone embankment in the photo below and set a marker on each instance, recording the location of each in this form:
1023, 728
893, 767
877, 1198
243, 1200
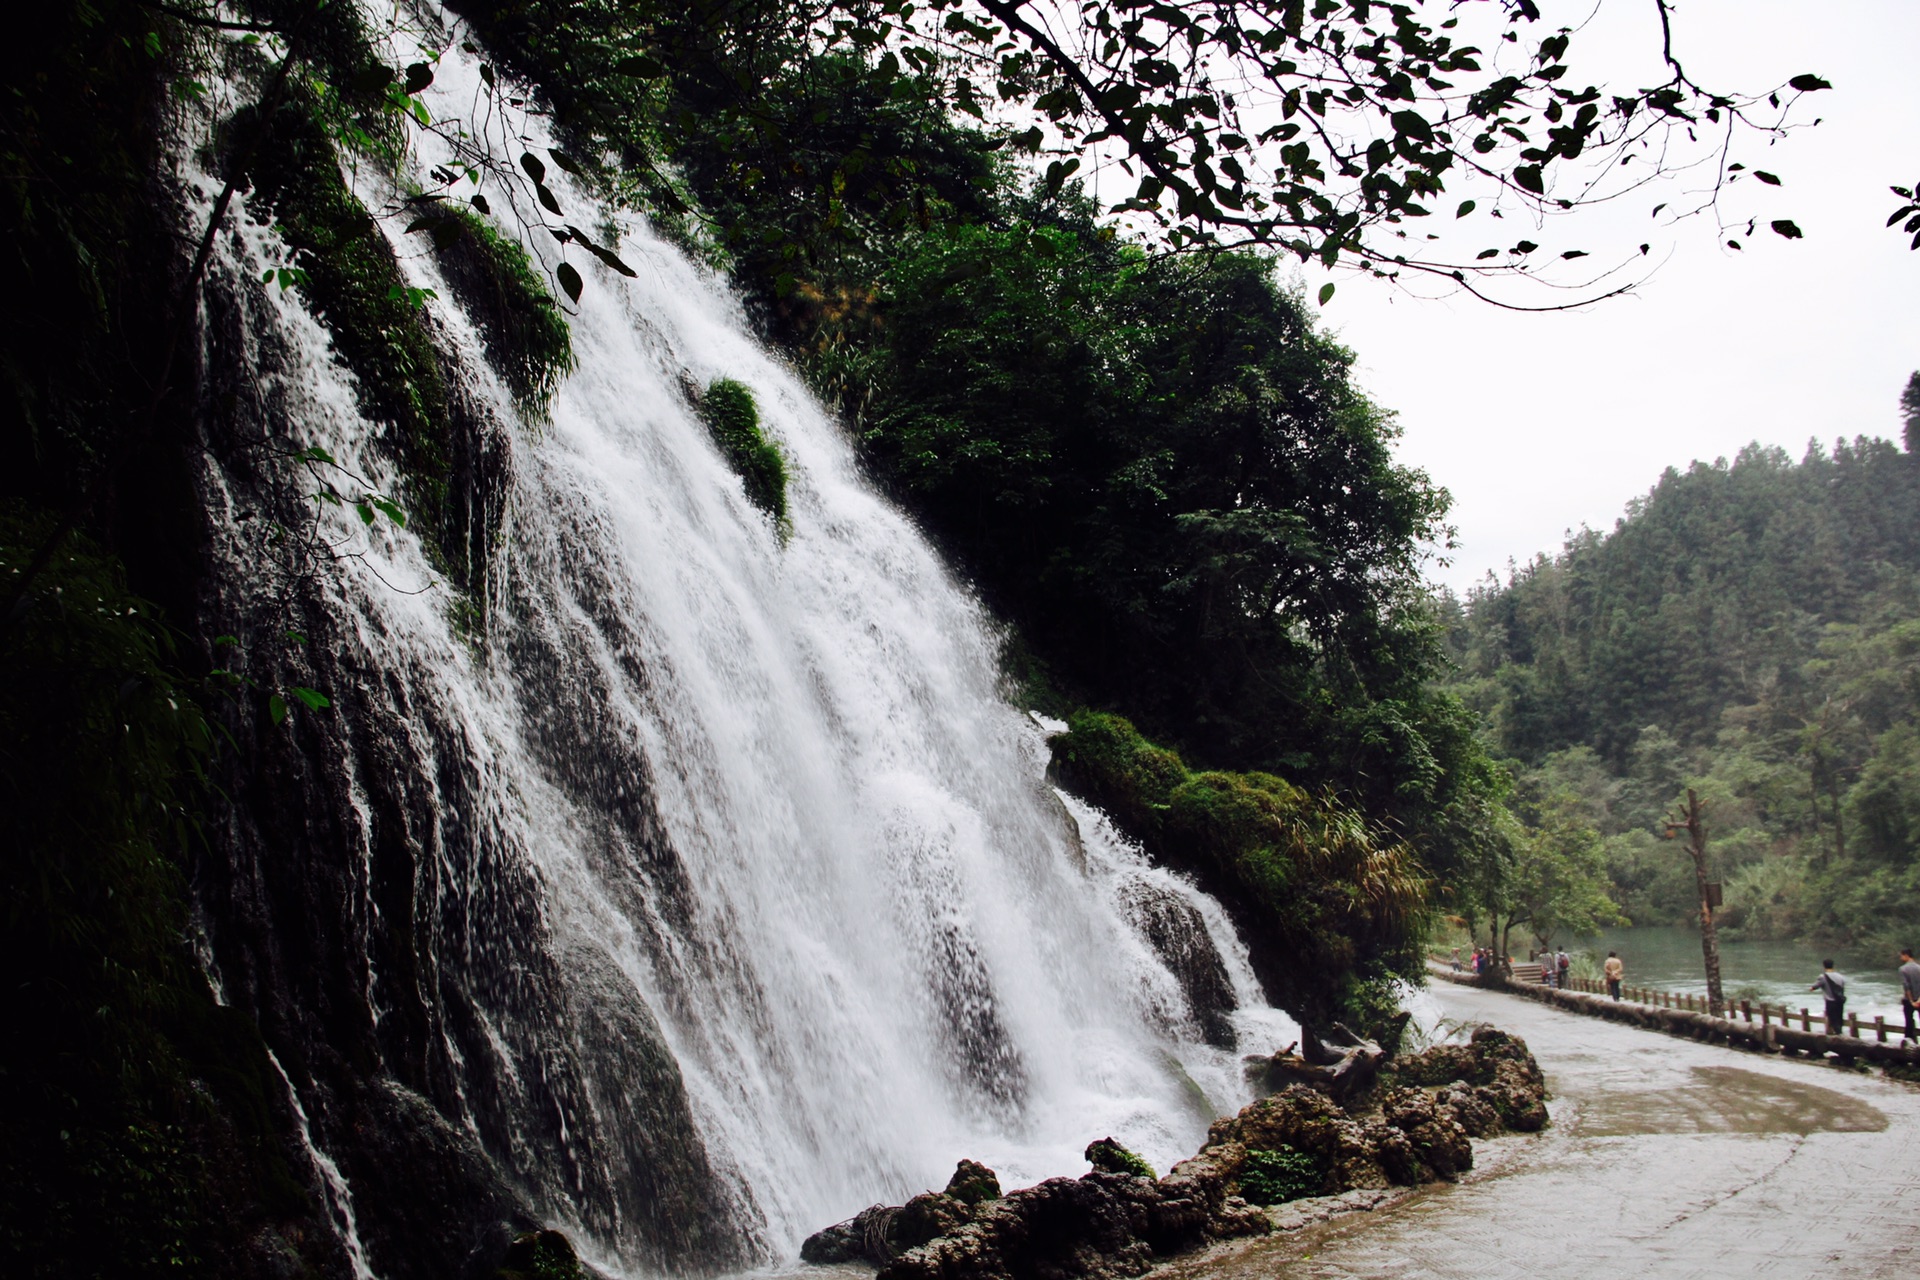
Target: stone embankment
1261, 1171
1763, 1036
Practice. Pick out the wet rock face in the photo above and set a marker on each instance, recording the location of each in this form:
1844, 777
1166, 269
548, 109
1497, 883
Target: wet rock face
1416, 1127
1173, 927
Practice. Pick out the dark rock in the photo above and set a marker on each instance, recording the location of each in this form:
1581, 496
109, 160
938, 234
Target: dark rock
1062, 1229
861, 1238
1469, 1107
923, 1218
541, 1255
1520, 1100
1439, 1141
1442, 1064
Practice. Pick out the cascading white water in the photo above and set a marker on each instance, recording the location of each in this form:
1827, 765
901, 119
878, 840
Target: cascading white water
895, 945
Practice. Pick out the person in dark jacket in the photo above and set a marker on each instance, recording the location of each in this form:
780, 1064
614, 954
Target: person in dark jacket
1833, 989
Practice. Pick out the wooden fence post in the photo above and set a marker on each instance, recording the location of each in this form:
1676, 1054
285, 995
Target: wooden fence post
1880, 1026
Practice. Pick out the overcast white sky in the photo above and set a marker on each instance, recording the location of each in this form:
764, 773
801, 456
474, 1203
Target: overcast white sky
1541, 423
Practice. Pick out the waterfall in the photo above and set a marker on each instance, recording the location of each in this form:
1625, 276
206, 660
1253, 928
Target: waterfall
715, 889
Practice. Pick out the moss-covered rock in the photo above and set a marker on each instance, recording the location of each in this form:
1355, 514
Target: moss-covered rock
973, 1183
348, 274
1109, 1156
729, 410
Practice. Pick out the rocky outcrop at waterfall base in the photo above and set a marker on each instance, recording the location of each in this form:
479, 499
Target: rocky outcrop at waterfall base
1413, 1123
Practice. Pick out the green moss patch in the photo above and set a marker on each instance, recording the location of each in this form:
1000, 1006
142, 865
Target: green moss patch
730, 413
526, 335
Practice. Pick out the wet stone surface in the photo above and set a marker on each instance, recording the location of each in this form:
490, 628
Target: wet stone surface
1666, 1158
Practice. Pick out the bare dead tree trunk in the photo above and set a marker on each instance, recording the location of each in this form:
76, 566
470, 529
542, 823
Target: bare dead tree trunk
1689, 820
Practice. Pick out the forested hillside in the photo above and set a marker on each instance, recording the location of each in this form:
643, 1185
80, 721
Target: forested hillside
1750, 629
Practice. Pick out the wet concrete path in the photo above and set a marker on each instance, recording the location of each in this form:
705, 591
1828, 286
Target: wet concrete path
1666, 1158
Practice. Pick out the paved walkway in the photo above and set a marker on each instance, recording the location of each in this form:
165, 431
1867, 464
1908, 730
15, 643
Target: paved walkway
1666, 1158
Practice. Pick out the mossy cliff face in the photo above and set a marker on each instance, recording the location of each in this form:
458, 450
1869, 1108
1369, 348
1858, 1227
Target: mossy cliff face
1328, 904
367, 939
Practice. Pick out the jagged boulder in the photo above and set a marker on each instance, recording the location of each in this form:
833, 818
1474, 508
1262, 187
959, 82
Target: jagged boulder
1439, 1141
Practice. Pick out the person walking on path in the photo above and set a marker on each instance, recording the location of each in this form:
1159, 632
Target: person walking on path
1833, 989
1615, 971
1909, 992
1562, 963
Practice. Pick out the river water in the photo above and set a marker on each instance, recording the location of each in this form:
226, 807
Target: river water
1668, 958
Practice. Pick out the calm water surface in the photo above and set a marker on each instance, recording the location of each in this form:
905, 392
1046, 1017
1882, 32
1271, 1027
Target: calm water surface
1668, 959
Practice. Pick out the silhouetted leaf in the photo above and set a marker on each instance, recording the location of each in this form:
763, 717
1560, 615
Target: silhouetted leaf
1808, 83
569, 280
1785, 227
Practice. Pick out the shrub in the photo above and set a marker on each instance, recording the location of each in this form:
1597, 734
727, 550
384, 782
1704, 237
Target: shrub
1275, 1177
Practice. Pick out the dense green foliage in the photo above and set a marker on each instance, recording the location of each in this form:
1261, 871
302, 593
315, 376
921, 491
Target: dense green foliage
728, 409
1332, 899
1280, 1175
1752, 630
